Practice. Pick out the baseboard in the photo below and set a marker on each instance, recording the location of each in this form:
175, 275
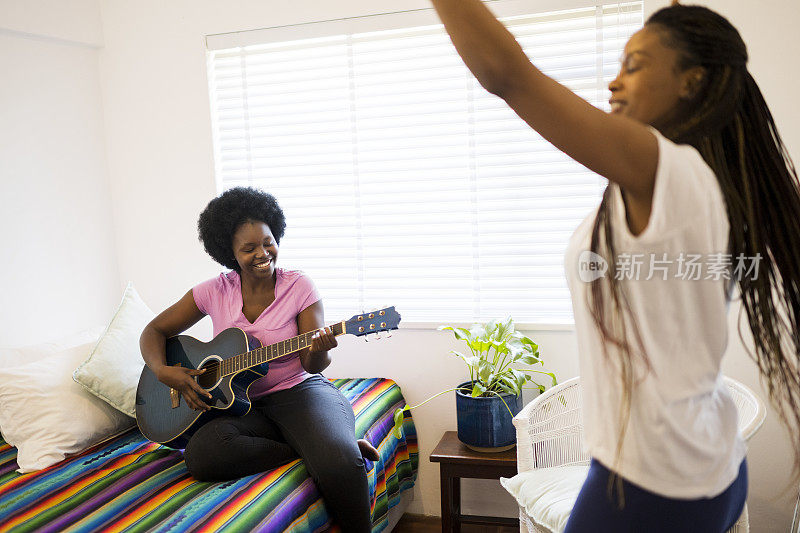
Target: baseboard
421, 519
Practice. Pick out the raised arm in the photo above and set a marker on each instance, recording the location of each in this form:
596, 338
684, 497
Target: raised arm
619, 148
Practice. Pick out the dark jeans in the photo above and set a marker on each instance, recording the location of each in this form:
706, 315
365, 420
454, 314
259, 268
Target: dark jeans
312, 420
647, 512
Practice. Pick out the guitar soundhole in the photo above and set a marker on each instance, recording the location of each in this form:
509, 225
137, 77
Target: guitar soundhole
209, 378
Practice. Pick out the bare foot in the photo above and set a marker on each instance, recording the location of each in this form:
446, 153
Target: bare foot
368, 451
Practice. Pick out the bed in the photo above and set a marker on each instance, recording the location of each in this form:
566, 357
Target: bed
129, 484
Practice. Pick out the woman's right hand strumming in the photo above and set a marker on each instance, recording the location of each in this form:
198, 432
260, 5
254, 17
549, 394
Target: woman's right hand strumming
172, 321
182, 380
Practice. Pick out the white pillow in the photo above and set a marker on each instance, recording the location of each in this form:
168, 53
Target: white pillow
547, 494
111, 372
47, 416
21, 355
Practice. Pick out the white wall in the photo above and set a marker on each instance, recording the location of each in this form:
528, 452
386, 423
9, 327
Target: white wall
59, 270
153, 75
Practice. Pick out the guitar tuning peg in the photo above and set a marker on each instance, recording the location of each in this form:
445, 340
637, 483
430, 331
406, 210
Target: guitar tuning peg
378, 335
366, 338
388, 334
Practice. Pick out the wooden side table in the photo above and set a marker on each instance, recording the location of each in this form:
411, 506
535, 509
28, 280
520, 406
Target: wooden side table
456, 461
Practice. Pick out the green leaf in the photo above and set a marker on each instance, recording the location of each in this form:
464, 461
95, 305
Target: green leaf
398, 422
519, 378
481, 346
528, 342
508, 380
507, 383
460, 333
516, 350
463, 334
478, 389
467, 358
529, 360
478, 331
503, 329
506, 388
484, 370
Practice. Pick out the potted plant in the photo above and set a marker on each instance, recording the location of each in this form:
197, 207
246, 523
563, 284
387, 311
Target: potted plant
499, 363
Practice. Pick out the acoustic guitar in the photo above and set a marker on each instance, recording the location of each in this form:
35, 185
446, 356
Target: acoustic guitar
232, 361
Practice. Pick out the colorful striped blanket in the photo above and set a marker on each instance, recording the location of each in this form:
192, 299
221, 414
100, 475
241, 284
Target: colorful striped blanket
131, 484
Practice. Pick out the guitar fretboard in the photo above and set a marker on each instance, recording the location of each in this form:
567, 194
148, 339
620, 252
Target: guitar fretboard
246, 360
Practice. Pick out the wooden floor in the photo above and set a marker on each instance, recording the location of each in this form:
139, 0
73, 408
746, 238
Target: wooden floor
411, 523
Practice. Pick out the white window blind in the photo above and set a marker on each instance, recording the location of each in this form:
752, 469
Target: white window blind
403, 181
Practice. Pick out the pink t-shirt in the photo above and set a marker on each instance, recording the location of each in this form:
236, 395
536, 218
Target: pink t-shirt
221, 299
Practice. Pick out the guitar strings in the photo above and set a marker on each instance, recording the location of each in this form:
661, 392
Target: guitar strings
214, 366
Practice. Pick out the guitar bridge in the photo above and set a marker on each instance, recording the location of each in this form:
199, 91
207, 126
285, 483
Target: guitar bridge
175, 396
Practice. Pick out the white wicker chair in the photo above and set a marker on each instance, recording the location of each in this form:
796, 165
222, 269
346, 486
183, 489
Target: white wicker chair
550, 434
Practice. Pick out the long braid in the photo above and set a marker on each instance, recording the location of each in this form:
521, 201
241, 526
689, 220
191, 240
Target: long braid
616, 333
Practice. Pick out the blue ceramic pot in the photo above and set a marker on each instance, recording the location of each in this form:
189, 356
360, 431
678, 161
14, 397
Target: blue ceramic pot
484, 423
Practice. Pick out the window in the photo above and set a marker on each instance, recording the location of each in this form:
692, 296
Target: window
404, 182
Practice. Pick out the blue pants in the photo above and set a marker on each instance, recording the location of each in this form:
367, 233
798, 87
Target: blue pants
312, 420
644, 511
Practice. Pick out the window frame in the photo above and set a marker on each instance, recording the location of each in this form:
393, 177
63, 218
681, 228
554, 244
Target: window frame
378, 23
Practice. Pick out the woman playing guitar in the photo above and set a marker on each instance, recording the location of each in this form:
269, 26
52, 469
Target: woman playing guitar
295, 411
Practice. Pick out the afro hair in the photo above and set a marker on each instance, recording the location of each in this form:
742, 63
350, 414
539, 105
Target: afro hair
225, 213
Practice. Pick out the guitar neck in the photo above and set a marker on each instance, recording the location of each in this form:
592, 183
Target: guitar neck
246, 360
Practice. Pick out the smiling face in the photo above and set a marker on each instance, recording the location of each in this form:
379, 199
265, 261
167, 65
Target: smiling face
255, 249
650, 86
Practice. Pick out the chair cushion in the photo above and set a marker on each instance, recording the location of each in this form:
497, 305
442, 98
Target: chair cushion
547, 494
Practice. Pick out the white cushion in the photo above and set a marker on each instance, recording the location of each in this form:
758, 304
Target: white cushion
21, 355
111, 372
547, 494
47, 416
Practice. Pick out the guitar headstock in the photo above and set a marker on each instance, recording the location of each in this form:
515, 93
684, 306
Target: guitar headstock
373, 321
